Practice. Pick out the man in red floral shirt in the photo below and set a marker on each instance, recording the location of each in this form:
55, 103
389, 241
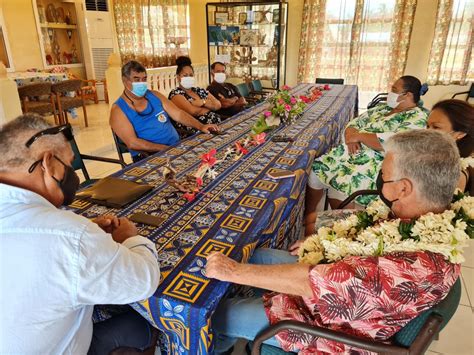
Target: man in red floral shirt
369, 296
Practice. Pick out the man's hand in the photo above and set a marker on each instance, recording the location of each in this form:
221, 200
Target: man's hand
125, 230
108, 223
220, 267
295, 247
207, 128
353, 148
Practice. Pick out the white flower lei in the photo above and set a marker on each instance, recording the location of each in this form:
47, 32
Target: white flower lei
369, 233
467, 162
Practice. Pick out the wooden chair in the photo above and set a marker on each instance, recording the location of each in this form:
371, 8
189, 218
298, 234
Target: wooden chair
38, 98
65, 103
90, 90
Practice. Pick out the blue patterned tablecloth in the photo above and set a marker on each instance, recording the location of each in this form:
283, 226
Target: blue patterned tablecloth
240, 210
28, 78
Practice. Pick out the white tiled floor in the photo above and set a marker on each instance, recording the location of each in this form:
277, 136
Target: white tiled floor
456, 339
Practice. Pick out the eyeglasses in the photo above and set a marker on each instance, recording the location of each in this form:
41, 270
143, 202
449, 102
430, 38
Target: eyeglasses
64, 129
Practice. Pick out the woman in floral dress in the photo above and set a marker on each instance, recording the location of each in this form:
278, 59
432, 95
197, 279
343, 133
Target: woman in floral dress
354, 164
196, 101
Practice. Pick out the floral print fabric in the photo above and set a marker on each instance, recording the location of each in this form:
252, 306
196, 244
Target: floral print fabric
350, 173
372, 297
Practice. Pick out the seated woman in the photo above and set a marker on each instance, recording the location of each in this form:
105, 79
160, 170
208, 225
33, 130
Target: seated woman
360, 284
196, 101
456, 117
354, 164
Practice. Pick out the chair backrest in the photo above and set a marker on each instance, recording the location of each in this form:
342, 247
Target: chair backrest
257, 85
31, 90
379, 98
67, 86
329, 81
243, 89
78, 162
121, 147
446, 309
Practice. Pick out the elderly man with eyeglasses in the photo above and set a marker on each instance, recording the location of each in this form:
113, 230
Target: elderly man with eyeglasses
56, 265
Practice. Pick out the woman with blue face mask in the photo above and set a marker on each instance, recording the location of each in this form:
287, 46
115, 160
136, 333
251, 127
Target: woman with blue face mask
354, 164
198, 102
143, 119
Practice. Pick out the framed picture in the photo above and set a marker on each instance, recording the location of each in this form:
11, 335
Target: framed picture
242, 18
223, 35
276, 15
221, 17
249, 37
259, 16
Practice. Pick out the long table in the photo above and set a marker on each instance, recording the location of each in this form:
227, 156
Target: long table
240, 210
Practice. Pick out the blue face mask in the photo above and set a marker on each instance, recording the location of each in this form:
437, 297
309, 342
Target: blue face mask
139, 89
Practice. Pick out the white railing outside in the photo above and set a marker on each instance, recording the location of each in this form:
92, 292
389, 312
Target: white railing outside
164, 79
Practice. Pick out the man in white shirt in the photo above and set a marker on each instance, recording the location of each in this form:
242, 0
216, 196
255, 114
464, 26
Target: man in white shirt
55, 265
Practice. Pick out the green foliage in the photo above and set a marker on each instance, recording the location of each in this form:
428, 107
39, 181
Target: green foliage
404, 228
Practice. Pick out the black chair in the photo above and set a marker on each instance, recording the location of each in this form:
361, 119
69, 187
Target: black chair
413, 338
78, 163
380, 98
122, 149
470, 93
329, 81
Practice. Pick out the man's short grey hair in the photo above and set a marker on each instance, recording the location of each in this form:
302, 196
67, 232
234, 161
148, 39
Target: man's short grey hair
431, 160
14, 135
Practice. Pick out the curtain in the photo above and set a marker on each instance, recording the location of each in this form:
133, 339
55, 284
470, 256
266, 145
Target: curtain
153, 32
364, 42
451, 58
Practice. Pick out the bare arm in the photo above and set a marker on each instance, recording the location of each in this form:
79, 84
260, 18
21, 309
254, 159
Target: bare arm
212, 103
181, 102
353, 136
285, 278
124, 129
182, 116
226, 103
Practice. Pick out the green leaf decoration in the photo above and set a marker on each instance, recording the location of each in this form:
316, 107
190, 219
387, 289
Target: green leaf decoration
404, 228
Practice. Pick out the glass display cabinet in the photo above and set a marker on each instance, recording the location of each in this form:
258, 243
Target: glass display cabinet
250, 38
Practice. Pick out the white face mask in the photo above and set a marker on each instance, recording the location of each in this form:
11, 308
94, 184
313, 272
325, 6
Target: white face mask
219, 77
187, 82
392, 99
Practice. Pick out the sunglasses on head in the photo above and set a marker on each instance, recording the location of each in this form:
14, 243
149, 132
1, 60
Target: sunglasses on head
64, 129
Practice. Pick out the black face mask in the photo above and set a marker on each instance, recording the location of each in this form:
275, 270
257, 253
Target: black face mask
69, 183
379, 183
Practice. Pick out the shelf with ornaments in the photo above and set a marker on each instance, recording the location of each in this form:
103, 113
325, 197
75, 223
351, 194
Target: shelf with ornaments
58, 33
